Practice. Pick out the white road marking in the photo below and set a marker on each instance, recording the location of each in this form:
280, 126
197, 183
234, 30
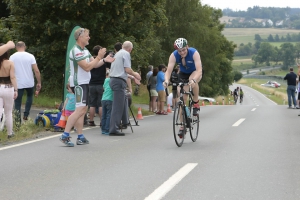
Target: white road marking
24, 143
253, 109
238, 122
37, 140
171, 182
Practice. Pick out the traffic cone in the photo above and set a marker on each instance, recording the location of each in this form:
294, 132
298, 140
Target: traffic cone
203, 103
62, 121
169, 109
210, 103
139, 115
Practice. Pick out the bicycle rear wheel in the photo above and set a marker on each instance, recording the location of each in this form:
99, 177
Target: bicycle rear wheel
178, 119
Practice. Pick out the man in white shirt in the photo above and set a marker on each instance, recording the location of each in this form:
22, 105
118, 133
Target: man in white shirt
24, 64
81, 63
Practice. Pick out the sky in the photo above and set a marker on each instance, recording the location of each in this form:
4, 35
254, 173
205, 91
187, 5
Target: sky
243, 5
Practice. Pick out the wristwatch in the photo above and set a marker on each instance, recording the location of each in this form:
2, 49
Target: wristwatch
103, 60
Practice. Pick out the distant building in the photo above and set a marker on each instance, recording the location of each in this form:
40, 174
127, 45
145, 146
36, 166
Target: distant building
267, 22
279, 23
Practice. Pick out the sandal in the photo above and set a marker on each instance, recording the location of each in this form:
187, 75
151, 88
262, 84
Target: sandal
158, 113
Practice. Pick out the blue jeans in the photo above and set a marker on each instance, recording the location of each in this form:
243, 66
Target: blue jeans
291, 93
106, 112
18, 102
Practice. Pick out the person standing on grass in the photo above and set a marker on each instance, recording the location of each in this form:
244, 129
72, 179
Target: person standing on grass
8, 90
81, 63
161, 90
291, 87
148, 75
153, 92
24, 64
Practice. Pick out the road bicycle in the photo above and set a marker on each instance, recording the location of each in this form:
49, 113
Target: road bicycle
235, 99
241, 99
183, 118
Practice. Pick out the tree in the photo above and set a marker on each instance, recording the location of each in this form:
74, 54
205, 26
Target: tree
237, 76
270, 38
45, 27
265, 53
277, 38
257, 37
288, 56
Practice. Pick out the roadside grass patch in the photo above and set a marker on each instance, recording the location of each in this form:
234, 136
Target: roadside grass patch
277, 95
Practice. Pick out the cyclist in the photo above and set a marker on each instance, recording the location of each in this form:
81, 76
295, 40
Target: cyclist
235, 95
241, 95
189, 61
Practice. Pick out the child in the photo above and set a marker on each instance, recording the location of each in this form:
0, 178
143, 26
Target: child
106, 102
69, 104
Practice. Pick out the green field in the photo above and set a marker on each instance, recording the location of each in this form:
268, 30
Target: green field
246, 35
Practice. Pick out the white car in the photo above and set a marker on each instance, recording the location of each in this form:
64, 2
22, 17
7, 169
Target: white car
207, 99
270, 84
276, 83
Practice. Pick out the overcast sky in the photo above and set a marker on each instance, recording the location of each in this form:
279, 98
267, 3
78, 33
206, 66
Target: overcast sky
243, 5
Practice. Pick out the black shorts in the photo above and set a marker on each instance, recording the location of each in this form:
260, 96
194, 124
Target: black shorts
95, 92
184, 77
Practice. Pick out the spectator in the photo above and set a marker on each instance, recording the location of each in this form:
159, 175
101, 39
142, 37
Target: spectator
148, 75
153, 92
69, 104
118, 47
107, 98
118, 77
161, 90
5, 47
175, 80
291, 88
8, 89
81, 63
96, 87
24, 64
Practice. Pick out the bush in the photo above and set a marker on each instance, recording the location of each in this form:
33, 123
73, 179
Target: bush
237, 76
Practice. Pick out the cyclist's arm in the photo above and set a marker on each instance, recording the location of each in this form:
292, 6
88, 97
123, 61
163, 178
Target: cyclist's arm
197, 60
171, 64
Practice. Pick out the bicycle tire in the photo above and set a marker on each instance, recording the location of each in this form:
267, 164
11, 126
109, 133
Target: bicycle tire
178, 119
194, 125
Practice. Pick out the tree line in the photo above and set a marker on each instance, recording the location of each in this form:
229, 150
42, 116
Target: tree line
280, 17
152, 26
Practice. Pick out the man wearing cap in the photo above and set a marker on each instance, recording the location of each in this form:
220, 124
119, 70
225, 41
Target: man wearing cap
81, 63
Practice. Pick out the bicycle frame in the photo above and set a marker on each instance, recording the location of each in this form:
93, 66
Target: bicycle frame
181, 100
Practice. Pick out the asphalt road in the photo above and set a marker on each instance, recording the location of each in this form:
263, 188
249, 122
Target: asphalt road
244, 151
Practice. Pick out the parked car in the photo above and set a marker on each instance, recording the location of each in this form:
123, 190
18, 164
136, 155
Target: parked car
207, 99
271, 84
276, 83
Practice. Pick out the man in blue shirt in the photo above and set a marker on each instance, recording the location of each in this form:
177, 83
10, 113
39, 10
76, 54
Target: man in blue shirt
189, 61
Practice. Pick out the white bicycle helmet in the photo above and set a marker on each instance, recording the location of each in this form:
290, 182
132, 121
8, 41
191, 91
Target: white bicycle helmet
180, 43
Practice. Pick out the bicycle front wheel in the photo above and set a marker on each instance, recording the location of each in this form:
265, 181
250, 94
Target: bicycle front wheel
178, 124
194, 129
